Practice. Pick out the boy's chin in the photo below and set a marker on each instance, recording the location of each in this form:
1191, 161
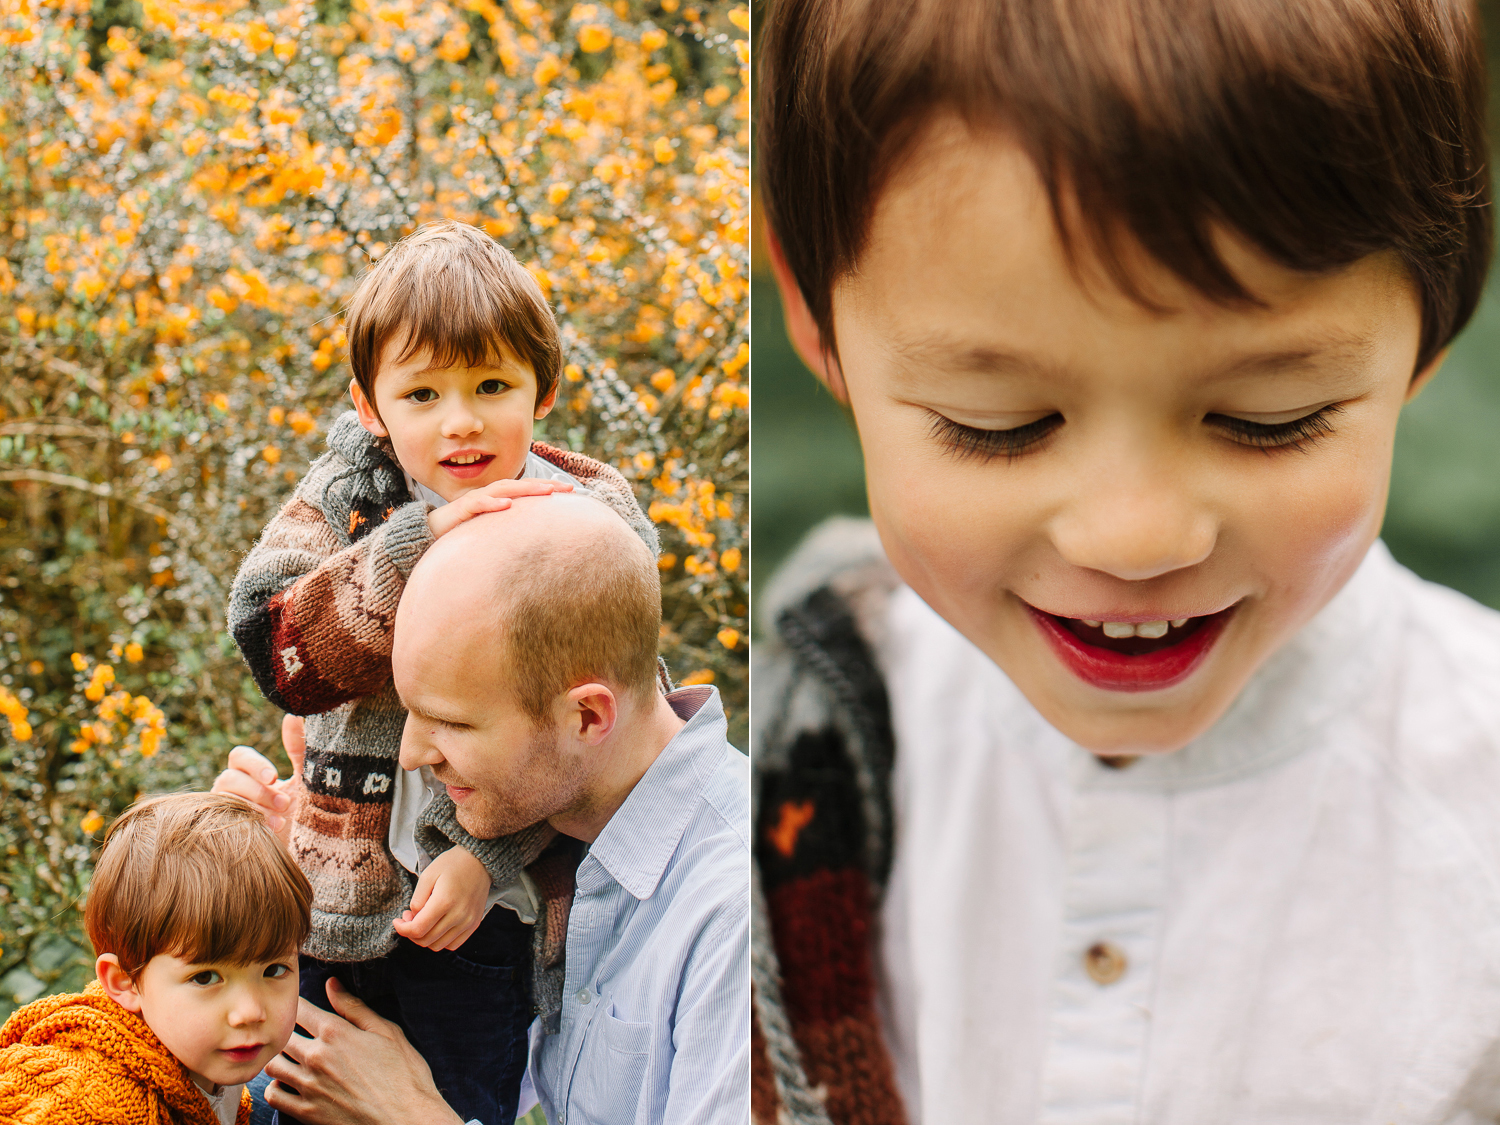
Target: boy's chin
1135, 725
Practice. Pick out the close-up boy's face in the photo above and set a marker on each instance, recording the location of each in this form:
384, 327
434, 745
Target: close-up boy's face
454, 429
1127, 509
224, 1022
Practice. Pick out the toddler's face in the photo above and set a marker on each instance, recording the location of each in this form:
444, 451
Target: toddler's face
1128, 510
454, 429
223, 1022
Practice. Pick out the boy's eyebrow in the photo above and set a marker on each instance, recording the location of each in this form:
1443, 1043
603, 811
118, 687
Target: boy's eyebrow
487, 365
951, 355
1332, 349
972, 359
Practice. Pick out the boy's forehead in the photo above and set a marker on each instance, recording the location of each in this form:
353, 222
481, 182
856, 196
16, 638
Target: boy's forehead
965, 271
411, 358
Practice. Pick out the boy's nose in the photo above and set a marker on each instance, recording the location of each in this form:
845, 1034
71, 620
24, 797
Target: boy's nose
1135, 534
460, 421
246, 1009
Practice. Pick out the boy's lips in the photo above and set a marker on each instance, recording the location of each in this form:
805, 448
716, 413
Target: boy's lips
1149, 661
242, 1054
466, 464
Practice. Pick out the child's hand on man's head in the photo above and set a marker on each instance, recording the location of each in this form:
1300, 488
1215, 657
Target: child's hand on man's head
449, 902
252, 776
494, 497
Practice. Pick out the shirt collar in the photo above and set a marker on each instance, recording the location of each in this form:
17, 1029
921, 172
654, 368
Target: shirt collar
1317, 677
639, 840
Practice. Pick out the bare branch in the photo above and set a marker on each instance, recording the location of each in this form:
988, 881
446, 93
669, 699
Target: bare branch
93, 488
55, 429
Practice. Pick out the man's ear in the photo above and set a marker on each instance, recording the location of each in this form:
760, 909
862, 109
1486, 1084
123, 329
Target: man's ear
801, 328
366, 411
544, 407
117, 983
592, 713
1424, 376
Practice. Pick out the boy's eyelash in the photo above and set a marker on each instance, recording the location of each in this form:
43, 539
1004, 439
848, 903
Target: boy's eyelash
966, 442
1295, 435
971, 442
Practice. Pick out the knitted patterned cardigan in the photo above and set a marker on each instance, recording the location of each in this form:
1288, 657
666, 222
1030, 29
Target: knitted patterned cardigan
823, 748
312, 609
81, 1059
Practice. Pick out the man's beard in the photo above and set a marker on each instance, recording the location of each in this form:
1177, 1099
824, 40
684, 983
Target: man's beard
545, 784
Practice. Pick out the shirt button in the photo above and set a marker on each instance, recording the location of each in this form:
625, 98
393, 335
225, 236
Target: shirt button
1105, 962
584, 996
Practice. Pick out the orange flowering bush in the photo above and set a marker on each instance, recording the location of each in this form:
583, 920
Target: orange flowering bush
188, 197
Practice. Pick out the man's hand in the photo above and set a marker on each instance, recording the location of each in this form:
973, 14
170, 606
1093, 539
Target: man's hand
494, 497
358, 1070
448, 904
251, 776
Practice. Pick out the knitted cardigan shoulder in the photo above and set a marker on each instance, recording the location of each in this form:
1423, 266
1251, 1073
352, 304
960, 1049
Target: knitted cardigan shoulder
823, 749
313, 610
81, 1059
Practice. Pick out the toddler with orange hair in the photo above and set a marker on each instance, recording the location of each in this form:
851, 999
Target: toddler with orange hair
196, 912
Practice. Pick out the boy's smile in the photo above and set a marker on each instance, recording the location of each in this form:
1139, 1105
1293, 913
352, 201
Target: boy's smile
453, 428
1128, 508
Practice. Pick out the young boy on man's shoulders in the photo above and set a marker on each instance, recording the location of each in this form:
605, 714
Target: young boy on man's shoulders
454, 353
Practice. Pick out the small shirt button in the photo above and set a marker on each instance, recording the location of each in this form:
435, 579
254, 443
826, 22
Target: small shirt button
1118, 761
1105, 962
584, 996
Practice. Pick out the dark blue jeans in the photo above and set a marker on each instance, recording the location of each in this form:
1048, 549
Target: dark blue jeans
466, 1011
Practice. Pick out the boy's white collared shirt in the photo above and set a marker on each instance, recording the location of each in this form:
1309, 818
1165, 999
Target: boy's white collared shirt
1295, 919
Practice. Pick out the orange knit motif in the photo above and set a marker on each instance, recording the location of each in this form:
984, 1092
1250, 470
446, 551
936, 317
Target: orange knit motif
81, 1059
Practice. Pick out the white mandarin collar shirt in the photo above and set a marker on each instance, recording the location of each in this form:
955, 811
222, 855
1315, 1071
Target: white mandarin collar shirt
1295, 920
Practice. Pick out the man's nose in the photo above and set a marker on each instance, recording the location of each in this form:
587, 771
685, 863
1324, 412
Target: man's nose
1135, 526
417, 749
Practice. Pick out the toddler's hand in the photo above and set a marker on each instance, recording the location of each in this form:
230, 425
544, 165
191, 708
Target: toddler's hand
448, 904
251, 776
494, 497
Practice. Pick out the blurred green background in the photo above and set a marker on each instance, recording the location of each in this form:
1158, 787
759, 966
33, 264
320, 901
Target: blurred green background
1444, 515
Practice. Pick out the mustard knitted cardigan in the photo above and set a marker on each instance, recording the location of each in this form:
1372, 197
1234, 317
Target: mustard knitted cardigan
81, 1059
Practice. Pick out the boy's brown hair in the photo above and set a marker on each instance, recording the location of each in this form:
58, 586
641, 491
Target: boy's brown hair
451, 288
1321, 130
198, 876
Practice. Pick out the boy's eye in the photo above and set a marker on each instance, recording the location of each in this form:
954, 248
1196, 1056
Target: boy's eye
277, 971
422, 394
491, 387
972, 443
1296, 434
205, 978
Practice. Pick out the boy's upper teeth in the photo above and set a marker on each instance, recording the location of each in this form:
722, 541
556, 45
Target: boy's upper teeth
464, 458
1151, 630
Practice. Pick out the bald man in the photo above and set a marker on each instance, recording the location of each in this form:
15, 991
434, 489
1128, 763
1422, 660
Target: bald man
525, 654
